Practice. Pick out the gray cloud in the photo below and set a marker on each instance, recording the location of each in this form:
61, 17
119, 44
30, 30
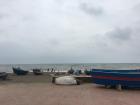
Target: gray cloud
2, 16
120, 34
136, 8
61, 31
90, 9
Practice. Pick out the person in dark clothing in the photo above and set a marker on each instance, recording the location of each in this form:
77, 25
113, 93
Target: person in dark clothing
52, 70
48, 70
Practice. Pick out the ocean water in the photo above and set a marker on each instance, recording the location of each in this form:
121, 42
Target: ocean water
66, 67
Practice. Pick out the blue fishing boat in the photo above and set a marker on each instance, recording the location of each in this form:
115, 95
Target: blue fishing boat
124, 78
19, 71
119, 70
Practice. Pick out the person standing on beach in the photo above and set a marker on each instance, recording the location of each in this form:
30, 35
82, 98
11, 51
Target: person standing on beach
52, 70
48, 70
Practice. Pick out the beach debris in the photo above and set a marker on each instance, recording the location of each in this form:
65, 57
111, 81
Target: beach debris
108, 86
119, 87
3, 75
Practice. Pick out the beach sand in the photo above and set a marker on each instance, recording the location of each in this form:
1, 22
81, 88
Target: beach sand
29, 78
20, 92
50, 94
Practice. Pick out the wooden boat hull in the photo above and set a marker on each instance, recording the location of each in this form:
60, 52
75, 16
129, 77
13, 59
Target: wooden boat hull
128, 78
19, 71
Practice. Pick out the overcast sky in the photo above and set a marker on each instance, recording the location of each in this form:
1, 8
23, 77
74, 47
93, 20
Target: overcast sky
69, 31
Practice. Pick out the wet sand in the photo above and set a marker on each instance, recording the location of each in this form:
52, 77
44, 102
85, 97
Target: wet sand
38, 90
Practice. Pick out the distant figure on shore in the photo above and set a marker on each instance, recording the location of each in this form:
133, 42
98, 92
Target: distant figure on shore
52, 70
71, 71
48, 70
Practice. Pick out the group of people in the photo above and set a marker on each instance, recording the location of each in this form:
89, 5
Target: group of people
76, 72
50, 70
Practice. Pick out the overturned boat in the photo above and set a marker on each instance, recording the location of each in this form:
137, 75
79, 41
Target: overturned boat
19, 71
66, 80
123, 78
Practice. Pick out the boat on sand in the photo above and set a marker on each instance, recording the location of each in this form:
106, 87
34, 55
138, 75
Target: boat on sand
66, 80
19, 71
37, 71
121, 78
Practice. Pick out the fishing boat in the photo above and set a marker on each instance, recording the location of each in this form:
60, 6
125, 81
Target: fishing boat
37, 71
123, 78
19, 71
3, 75
119, 70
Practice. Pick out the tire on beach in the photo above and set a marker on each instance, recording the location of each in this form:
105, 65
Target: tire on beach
78, 82
53, 79
108, 86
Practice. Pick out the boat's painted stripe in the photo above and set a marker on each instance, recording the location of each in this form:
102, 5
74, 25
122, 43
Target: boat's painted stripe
116, 78
109, 70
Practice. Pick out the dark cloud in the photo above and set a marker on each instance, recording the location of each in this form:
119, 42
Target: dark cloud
91, 10
120, 34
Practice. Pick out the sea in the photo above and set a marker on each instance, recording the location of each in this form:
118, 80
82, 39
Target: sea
65, 67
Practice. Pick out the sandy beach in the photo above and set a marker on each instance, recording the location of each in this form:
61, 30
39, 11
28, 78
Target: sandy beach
50, 94
35, 90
